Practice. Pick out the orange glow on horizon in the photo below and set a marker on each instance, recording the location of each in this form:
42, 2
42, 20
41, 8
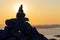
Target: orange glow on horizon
39, 12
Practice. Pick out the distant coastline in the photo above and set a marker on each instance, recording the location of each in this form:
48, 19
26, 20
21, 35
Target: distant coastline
47, 26
40, 26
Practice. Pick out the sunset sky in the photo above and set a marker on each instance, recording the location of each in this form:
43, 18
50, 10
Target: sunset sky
39, 12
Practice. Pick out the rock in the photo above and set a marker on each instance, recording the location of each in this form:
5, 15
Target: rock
19, 29
12, 38
57, 36
52, 39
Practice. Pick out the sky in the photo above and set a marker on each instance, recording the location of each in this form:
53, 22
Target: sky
39, 12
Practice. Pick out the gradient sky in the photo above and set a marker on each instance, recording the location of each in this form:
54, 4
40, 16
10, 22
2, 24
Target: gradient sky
40, 12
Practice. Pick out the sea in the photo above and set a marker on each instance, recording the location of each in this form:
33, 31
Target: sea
50, 32
47, 32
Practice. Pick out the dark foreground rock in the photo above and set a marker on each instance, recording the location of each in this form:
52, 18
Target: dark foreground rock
57, 36
19, 29
52, 39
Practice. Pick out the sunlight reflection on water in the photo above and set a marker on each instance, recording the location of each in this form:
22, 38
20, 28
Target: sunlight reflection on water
50, 32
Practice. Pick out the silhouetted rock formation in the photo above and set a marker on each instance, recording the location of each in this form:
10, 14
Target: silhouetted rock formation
57, 36
52, 39
19, 29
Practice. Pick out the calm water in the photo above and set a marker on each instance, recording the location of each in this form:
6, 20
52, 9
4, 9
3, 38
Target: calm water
50, 32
